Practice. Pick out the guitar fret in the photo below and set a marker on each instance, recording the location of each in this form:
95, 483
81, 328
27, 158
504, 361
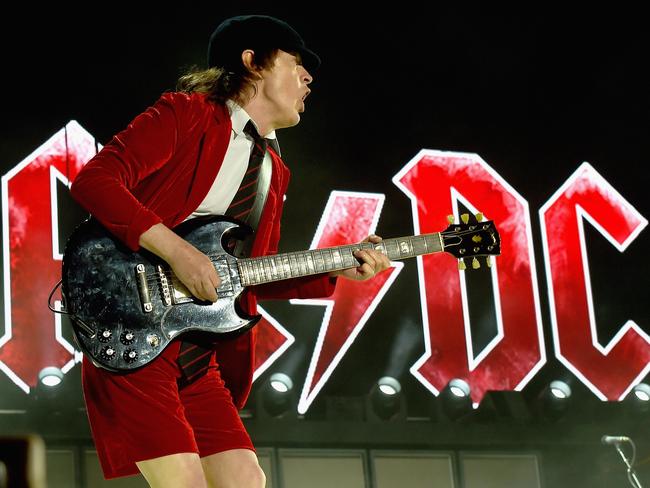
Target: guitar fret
303, 263
265, 269
299, 260
337, 258
295, 272
310, 263
418, 245
319, 264
305, 256
404, 248
298, 264
241, 268
244, 275
435, 242
327, 259
322, 254
256, 272
392, 249
380, 247
281, 267
284, 263
275, 272
279, 264
350, 260
259, 271
250, 271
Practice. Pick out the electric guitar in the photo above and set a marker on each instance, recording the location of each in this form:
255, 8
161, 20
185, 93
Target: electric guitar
126, 307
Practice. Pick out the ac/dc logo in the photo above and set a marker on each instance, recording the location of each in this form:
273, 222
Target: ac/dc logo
435, 182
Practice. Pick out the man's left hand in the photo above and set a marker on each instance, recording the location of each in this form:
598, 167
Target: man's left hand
372, 262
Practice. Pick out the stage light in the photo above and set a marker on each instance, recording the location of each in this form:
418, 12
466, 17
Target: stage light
642, 392
389, 385
459, 388
638, 400
281, 382
277, 394
560, 390
554, 400
456, 400
386, 401
50, 376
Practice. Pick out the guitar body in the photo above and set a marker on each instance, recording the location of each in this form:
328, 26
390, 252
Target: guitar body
126, 306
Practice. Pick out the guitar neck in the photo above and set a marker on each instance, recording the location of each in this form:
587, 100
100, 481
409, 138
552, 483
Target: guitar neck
265, 269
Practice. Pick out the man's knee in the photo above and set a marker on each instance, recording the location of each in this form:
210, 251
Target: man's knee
241, 471
252, 476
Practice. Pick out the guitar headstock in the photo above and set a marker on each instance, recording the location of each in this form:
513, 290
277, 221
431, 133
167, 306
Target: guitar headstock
470, 240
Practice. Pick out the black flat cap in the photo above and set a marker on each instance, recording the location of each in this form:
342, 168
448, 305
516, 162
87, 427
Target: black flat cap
236, 34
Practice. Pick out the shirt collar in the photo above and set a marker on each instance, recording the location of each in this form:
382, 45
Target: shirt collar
239, 118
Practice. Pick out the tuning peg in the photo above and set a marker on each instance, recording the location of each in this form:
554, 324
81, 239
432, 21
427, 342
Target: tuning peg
475, 264
488, 261
461, 265
450, 219
479, 217
464, 218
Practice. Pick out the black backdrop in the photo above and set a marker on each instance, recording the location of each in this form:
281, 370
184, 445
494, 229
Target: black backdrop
534, 94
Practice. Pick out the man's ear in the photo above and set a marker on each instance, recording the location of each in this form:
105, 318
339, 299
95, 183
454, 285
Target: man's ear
248, 60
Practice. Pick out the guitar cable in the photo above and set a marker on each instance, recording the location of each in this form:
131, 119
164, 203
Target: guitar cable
62, 311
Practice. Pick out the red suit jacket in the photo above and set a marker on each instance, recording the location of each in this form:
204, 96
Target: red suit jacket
159, 169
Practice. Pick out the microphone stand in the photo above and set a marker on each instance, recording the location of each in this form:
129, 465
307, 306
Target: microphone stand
631, 475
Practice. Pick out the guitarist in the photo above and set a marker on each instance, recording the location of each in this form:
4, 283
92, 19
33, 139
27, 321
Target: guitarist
184, 157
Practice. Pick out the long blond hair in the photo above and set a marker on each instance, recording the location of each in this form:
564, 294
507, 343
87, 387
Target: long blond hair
221, 84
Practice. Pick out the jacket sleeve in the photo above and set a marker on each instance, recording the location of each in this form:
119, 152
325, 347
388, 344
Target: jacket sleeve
103, 186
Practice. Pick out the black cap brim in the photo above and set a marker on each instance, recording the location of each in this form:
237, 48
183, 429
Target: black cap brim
310, 59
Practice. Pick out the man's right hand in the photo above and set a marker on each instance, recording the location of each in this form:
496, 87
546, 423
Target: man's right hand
193, 268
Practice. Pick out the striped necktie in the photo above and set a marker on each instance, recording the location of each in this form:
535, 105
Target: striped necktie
194, 359
242, 203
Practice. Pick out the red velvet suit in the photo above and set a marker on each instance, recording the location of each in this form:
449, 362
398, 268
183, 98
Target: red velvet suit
159, 169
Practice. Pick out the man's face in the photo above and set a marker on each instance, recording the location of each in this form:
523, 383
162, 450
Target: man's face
285, 88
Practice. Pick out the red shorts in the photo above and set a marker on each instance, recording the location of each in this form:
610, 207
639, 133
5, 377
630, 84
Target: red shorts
142, 415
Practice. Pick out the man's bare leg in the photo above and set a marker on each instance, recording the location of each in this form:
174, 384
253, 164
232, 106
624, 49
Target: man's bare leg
183, 470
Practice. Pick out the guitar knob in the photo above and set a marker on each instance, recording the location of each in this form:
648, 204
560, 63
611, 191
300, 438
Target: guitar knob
450, 219
153, 340
130, 355
461, 265
105, 335
127, 337
107, 353
488, 261
475, 264
479, 217
464, 218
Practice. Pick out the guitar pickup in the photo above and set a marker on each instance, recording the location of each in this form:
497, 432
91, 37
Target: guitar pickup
223, 270
143, 288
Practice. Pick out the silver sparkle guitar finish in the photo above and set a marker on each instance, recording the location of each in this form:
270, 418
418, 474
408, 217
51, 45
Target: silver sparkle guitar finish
127, 306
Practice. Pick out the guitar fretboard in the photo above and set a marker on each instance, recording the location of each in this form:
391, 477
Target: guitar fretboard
265, 269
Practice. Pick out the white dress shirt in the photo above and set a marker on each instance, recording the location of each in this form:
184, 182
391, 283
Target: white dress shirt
235, 165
